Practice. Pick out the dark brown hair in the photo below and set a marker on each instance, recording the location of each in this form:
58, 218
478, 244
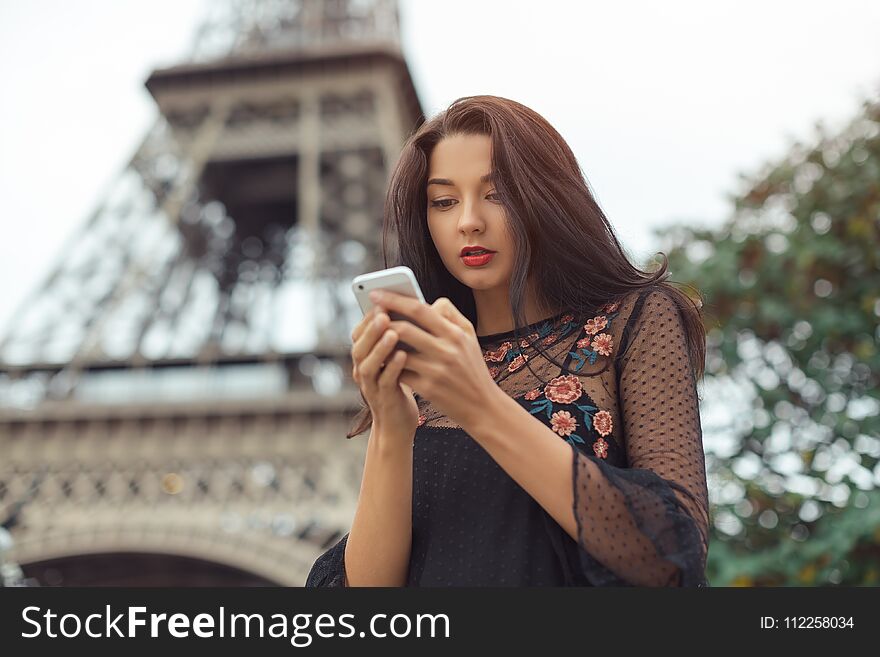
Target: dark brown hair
564, 243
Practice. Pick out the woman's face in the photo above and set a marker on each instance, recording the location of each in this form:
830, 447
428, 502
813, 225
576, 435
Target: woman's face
463, 210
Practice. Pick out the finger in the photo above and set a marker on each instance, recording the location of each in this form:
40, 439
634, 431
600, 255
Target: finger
408, 378
388, 377
420, 313
359, 327
371, 365
420, 340
364, 323
406, 388
416, 362
447, 309
368, 338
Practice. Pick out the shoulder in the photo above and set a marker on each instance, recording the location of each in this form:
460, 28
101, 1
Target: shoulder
652, 301
641, 309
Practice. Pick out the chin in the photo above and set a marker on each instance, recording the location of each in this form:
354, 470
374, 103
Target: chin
478, 279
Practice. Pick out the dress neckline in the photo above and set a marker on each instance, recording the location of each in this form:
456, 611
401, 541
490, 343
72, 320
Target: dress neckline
524, 330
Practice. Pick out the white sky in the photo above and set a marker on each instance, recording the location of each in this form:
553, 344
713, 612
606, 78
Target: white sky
663, 103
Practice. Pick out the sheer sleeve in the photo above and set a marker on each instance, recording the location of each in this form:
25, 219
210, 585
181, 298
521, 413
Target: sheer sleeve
647, 524
329, 568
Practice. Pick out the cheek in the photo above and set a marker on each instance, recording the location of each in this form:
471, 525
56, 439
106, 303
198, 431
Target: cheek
443, 240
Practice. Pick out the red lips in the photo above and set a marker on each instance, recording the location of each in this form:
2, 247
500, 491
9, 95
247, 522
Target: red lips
473, 247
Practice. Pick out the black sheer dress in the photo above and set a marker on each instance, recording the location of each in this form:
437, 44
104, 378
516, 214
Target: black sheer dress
626, 402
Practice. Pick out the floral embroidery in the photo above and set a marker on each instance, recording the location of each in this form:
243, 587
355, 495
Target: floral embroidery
596, 324
595, 343
517, 362
563, 423
548, 332
567, 388
534, 393
564, 389
602, 343
499, 354
602, 422
589, 348
422, 419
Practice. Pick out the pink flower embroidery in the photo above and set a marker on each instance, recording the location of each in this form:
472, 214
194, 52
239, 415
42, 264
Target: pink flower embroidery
563, 423
602, 422
610, 308
583, 342
596, 324
534, 393
499, 354
600, 447
567, 317
493, 371
550, 339
528, 341
564, 389
603, 343
517, 362
422, 419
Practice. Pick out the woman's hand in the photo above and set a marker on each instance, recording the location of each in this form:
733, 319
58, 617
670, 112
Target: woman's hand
376, 370
447, 367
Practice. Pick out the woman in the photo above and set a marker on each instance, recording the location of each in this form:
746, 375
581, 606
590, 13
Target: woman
546, 430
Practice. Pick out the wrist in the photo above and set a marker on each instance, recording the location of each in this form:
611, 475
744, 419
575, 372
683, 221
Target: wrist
494, 406
388, 444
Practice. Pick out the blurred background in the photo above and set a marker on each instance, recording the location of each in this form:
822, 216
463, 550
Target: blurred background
189, 186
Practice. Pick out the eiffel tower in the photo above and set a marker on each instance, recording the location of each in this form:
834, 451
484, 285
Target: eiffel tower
174, 397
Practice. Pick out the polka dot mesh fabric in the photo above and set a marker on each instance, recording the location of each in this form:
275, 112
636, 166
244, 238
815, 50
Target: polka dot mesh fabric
617, 385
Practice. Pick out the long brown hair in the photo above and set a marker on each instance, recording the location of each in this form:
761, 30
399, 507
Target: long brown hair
564, 243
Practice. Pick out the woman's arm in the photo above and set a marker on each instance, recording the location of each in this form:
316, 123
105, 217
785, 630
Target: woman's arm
378, 548
630, 523
644, 525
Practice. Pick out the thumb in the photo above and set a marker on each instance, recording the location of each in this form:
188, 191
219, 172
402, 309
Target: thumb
407, 389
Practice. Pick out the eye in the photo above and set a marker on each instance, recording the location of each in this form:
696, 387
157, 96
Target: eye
449, 202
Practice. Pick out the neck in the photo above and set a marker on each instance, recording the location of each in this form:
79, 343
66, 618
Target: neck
494, 314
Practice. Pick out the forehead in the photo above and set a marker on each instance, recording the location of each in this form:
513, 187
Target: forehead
461, 158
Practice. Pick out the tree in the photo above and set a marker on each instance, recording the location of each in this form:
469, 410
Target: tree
791, 289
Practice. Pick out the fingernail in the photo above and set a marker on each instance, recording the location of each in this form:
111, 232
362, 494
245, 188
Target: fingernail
375, 295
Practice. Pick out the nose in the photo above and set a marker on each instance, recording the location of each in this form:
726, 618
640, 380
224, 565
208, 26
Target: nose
470, 219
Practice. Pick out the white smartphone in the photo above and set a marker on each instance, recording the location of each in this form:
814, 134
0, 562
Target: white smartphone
395, 279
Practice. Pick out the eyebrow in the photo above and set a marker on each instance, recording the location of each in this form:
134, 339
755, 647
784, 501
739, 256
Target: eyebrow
445, 181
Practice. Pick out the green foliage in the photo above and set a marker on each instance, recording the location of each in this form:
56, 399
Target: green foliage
791, 290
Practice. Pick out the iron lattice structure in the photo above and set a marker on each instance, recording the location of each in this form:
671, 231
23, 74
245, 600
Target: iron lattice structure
176, 385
